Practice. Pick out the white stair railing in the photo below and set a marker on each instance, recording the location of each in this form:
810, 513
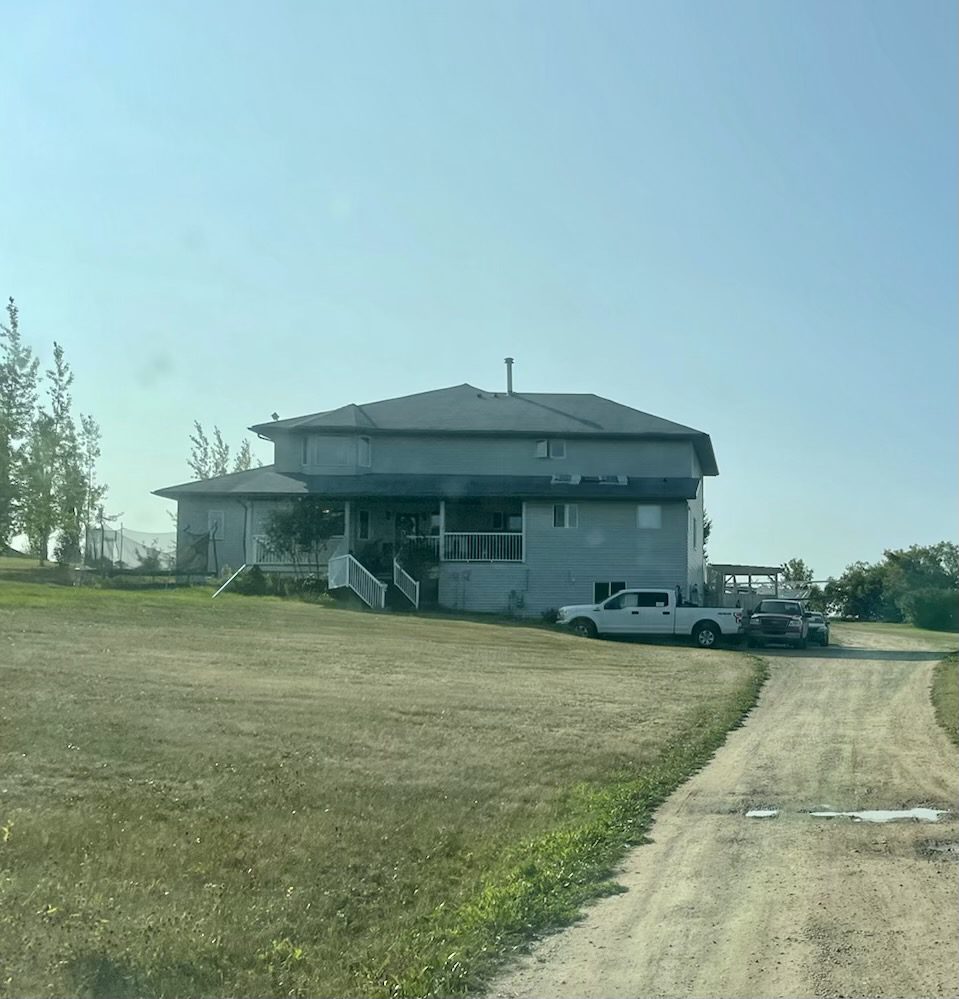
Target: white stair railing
345, 570
406, 584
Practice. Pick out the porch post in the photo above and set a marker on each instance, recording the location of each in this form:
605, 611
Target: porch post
347, 524
250, 553
522, 554
442, 530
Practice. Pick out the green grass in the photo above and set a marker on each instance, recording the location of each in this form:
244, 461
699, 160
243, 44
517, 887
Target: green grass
945, 696
263, 797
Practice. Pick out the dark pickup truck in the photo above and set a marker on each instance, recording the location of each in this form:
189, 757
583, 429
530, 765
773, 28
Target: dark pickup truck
778, 621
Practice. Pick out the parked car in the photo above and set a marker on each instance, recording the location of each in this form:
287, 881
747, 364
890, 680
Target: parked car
818, 628
778, 621
652, 612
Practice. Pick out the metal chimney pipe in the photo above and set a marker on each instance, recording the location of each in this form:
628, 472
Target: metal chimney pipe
509, 375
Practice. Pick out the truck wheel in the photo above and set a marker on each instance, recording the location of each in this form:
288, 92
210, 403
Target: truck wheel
583, 627
706, 635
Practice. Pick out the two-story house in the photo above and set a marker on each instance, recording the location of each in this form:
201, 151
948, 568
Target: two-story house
493, 501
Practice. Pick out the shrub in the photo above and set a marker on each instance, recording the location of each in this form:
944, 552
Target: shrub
252, 583
550, 615
936, 609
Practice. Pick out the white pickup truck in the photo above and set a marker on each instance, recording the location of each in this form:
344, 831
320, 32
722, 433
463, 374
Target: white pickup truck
652, 612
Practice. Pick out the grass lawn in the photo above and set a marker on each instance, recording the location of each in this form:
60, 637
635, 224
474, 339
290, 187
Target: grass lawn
845, 631
945, 696
256, 797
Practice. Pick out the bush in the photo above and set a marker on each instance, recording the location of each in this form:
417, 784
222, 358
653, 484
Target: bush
550, 615
936, 609
309, 586
252, 583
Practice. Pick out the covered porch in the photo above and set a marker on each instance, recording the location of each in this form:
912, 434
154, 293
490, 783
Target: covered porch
480, 530
377, 531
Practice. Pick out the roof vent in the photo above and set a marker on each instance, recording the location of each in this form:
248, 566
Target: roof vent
565, 480
509, 375
613, 480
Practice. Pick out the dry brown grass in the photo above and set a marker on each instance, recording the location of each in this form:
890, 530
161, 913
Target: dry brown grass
259, 797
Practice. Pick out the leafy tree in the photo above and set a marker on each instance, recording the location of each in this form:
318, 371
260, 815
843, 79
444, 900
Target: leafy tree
302, 529
244, 457
89, 451
860, 592
816, 599
68, 479
210, 458
707, 530
796, 571
39, 516
18, 396
920, 567
922, 581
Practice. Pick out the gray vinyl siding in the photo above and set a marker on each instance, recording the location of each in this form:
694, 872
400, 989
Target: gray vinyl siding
336, 454
563, 563
328, 454
696, 575
192, 523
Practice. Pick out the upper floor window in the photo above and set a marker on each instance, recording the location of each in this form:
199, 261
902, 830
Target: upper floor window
565, 515
551, 448
365, 456
305, 450
649, 516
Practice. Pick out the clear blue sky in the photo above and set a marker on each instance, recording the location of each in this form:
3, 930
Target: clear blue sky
739, 216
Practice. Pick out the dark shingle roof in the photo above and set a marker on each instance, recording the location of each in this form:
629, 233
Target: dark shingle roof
267, 482
466, 409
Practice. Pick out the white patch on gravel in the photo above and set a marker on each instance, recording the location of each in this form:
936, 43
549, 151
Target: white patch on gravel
886, 815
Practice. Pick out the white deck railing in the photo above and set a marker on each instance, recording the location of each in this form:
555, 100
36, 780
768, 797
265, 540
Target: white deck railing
483, 547
344, 570
264, 554
430, 541
406, 584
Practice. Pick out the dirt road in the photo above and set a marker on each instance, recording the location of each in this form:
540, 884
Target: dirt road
791, 905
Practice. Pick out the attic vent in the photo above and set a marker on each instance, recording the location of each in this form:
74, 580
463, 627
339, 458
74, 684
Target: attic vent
613, 480
565, 480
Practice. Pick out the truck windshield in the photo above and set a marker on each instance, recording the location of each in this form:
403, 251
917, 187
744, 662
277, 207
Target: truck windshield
778, 607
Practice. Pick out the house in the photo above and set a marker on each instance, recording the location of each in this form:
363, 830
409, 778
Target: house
473, 500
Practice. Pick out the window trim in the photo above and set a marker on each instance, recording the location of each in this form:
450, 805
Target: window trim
368, 454
551, 447
570, 516
610, 592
